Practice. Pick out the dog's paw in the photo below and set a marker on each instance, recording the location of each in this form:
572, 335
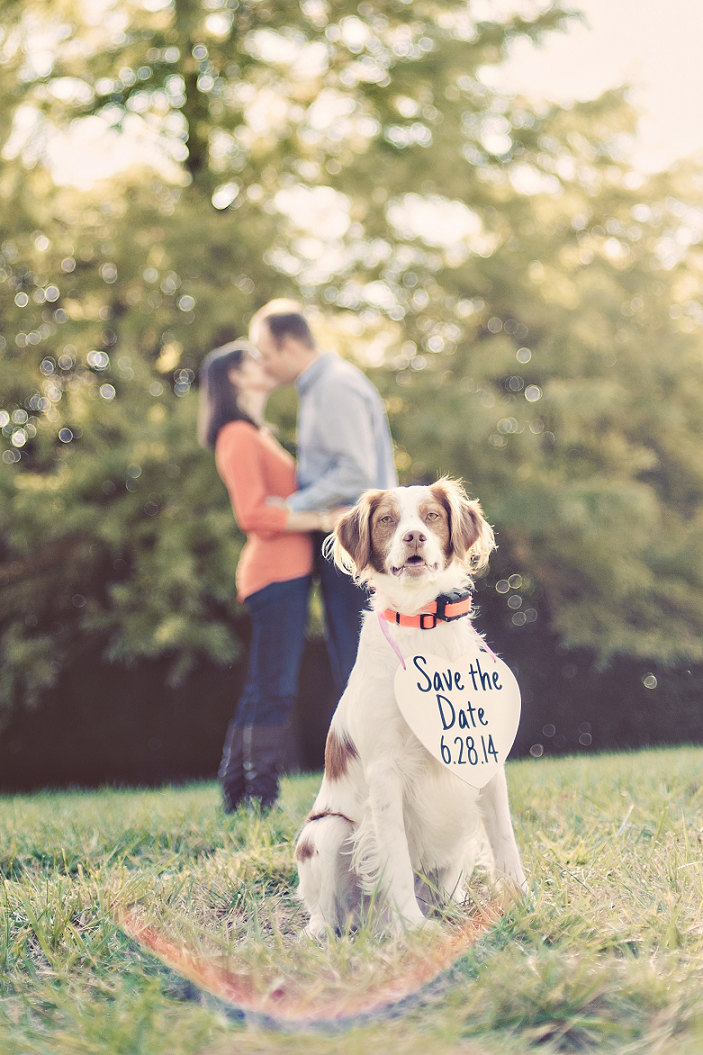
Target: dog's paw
317, 937
317, 931
510, 891
401, 923
430, 926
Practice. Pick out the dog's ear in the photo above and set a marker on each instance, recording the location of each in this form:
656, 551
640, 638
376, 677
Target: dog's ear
351, 550
471, 537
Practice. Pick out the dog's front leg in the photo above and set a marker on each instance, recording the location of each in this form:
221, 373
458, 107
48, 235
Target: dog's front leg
495, 809
394, 867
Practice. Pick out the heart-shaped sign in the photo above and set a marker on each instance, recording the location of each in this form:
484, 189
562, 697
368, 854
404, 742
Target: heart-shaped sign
465, 711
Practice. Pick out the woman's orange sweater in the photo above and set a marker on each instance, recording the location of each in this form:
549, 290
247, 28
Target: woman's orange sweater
254, 467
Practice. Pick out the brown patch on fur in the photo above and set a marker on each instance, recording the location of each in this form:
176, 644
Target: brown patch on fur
339, 752
304, 850
383, 522
435, 514
353, 539
470, 536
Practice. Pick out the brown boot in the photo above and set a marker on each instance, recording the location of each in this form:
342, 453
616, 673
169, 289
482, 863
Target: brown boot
264, 752
231, 771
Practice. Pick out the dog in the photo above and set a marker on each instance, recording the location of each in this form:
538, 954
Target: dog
391, 826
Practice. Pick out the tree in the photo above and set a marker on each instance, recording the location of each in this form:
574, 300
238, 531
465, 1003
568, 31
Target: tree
574, 354
501, 270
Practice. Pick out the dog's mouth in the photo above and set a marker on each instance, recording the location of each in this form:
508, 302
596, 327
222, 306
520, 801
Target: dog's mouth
414, 566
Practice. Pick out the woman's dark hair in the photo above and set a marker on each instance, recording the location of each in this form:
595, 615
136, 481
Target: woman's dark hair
218, 397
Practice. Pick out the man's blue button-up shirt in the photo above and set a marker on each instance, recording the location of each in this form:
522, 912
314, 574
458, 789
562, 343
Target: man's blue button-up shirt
344, 442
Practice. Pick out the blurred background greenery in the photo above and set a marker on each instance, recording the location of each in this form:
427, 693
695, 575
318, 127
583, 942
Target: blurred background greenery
526, 299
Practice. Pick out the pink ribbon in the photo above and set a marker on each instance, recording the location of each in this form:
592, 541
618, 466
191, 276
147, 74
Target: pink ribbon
389, 639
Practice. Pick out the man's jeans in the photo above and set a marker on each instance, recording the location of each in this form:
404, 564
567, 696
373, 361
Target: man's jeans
344, 603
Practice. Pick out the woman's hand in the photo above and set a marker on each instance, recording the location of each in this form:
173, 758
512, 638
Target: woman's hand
330, 517
324, 520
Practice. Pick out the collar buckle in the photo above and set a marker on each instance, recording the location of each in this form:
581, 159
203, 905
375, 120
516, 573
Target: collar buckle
455, 600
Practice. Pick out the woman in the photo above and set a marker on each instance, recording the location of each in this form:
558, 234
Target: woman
274, 571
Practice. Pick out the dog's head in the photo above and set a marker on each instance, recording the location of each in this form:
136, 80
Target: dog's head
416, 534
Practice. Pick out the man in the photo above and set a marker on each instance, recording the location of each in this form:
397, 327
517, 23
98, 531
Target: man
344, 447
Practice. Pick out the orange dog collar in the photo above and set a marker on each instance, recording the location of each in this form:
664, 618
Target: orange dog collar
444, 609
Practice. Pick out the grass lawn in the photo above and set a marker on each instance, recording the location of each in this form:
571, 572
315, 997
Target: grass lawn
606, 956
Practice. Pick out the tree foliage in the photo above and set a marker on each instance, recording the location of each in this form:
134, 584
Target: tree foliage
527, 302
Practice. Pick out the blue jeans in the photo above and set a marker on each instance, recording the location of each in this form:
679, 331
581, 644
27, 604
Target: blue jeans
344, 603
279, 615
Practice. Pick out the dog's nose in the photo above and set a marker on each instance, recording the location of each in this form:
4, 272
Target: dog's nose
414, 536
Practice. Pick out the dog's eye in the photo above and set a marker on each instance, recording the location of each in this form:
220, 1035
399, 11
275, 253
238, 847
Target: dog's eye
387, 519
433, 516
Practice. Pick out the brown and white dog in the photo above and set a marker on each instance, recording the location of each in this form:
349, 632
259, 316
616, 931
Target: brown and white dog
390, 822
